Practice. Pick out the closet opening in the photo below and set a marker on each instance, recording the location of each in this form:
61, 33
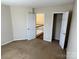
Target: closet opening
57, 20
61, 27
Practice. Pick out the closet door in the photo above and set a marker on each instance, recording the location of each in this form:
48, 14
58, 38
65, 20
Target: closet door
63, 29
31, 26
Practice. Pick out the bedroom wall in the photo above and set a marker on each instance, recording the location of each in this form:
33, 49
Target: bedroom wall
6, 25
48, 22
19, 21
19, 17
72, 42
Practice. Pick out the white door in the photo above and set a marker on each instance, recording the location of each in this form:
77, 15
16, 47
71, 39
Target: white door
31, 27
63, 29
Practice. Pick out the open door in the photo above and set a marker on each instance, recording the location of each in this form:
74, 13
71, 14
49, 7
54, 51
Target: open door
31, 26
63, 29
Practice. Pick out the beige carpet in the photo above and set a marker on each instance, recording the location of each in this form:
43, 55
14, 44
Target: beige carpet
33, 49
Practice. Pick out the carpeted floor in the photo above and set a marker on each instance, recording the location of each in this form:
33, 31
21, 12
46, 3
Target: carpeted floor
33, 49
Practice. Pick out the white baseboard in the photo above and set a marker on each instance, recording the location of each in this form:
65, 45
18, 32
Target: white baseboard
12, 41
47, 40
7, 42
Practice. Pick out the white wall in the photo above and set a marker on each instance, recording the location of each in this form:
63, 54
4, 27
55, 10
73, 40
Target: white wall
20, 21
6, 25
54, 8
48, 22
20, 15
72, 43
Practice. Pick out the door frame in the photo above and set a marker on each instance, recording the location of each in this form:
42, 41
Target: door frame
44, 22
55, 12
53, 19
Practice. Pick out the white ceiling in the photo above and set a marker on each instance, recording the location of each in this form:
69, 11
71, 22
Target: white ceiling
35, 3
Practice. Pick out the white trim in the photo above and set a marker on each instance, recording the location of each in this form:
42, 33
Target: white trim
12, 41
53, 19
7, 42
52, 25
55, 12
47, 40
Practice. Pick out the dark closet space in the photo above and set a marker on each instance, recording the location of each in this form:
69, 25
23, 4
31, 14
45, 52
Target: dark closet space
56, 26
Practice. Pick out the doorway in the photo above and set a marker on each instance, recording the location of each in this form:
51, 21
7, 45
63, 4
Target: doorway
40, 25
60, 24
57, 26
